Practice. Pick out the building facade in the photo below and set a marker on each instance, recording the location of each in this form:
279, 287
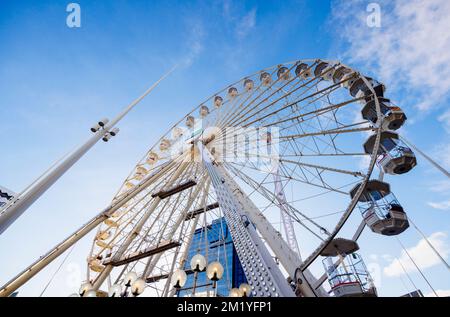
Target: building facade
215, 243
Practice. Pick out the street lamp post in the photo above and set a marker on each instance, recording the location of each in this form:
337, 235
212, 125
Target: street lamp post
198, 264
214, 273
102, 130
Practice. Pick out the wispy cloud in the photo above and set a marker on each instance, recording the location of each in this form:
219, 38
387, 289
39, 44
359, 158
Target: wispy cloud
246, 24
422, 254
194, 42
440, 292
442, 153
411, 49
445, 120
242, 21
442, 186
443, 205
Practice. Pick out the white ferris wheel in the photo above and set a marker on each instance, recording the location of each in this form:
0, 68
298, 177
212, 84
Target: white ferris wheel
250, 193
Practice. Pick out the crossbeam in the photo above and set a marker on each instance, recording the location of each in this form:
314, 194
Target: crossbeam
190, 215
157, 278
174, 190
143, 254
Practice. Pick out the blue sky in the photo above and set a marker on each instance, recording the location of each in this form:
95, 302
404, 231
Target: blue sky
56, 81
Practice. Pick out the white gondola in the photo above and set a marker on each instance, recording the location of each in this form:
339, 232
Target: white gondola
103, 244
177, 132
204, 111
265, 79
393, 116
348, 276
394, 157
96, 265
232, 92
380, 209
141, 170
248, 84
283, 73
360, 89
103, 235
190, 122
303, 70
324, 71
164, 145
348, 80
218, 101
341, 73
111, 223
152, 158
129, 185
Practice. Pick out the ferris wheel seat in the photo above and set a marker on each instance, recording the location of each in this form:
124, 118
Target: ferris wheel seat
152, 158
348, 80
265, 79
340, 246
96, 265
348, 289
164, 145
352, 290
248, 84
218, 101
232, 92
204, 111
303, 71
394, 119
283, 73
360, 89
393, 116
103, 244
190, 121
340, 72
324, 70
103, 235
394, 223
394, 156
398, 165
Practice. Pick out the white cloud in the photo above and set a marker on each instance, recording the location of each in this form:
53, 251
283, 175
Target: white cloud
445, 119
440, 292
422, 254
440, 186
444, 205
195, 40
246, 24
241, 21
410, 51
442, 153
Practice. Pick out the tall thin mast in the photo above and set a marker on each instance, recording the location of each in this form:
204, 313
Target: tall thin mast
19, 204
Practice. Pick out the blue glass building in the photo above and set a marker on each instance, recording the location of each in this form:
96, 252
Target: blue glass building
215, 243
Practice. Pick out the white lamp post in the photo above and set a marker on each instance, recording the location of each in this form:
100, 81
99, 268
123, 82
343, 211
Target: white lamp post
235, 292
214, 272
179, 278
245, 290
198, 264
102, 130
85, 287
130, 278
90, 293
138, 287
115, 290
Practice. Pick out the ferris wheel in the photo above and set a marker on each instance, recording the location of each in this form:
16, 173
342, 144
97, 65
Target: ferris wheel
250, 192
